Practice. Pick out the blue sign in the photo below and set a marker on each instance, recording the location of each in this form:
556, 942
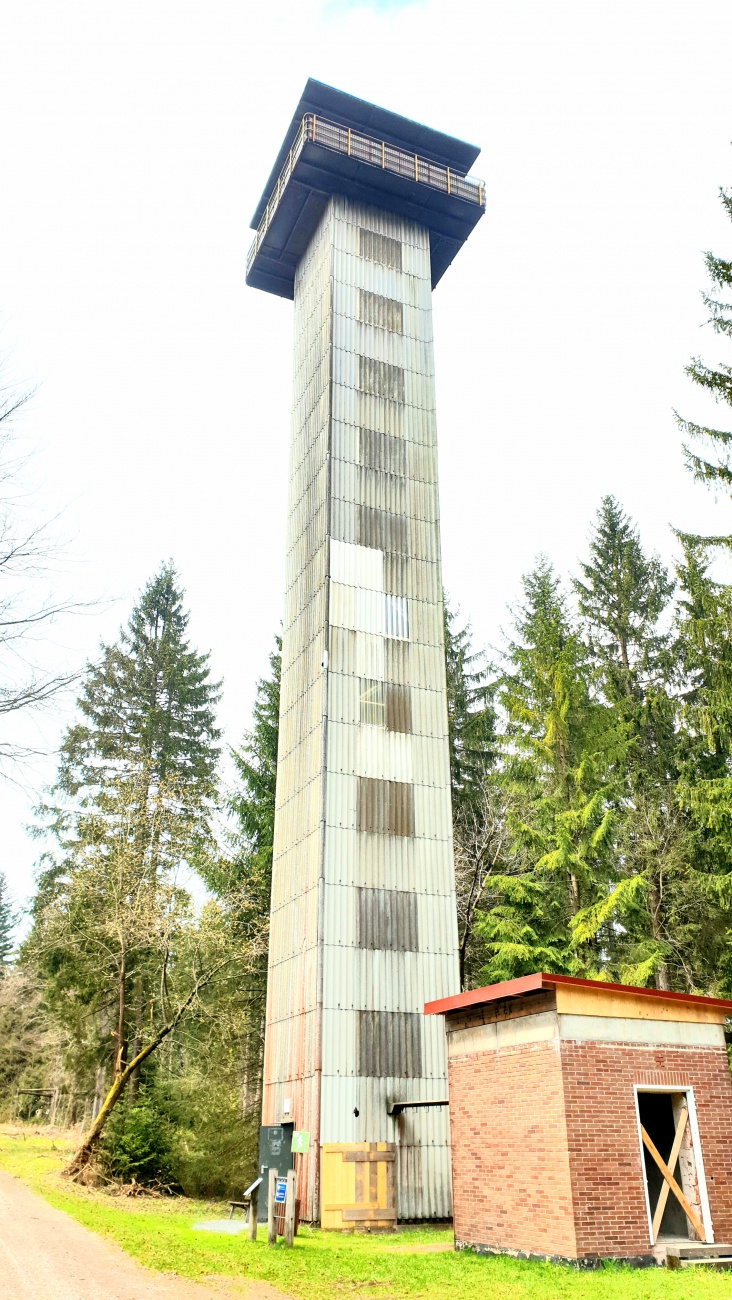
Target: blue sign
281, 1191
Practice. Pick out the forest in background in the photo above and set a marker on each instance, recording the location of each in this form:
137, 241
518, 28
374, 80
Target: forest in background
591, 772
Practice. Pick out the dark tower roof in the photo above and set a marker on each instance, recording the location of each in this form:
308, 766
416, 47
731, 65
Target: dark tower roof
337, 144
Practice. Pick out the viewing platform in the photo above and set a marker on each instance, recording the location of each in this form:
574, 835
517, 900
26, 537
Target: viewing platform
321, 156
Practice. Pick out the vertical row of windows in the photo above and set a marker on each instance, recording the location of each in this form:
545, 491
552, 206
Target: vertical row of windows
389, 1043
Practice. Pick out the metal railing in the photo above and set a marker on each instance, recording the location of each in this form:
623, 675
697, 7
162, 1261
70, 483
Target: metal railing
377, 153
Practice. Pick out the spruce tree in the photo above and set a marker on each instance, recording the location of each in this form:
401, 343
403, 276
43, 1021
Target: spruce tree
561, 749
705, 785
475, 806
8, 921
470, 713
712, 463
622, 597
133, 802
149, 705
249, 873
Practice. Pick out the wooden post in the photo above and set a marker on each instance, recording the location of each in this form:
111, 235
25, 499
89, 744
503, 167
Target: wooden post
290, 1207
253, 1211
271, 1207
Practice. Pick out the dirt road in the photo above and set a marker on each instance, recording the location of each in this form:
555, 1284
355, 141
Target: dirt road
44, 1255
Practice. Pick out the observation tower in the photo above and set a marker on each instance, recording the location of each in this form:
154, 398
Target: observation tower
361, 216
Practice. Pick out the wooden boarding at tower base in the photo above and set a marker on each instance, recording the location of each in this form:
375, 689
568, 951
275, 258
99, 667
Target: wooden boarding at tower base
359, 1186
590, 1120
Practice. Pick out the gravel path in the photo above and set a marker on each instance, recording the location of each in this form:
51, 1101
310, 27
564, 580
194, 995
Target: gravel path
45, 1255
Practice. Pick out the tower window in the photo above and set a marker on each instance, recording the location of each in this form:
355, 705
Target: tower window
372, 702
380, 248
389, 1044
386, 313
381, 379
383, 452
385, 807
387, 920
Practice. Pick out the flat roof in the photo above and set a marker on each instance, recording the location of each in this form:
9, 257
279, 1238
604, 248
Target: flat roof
541, 980
337, 144
360, 115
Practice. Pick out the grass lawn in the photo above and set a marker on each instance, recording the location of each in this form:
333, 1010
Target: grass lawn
158, 1233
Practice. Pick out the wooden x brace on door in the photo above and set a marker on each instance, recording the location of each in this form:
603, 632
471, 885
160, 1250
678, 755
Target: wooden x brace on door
670, 1183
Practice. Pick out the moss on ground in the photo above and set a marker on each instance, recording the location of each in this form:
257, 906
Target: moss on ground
159, 1234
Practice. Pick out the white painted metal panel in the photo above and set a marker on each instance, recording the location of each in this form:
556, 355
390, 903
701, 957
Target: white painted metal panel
356, 566
357, 608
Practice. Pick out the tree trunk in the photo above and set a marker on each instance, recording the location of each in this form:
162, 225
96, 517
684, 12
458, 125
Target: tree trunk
119, 1056
574, 894
84, 1153
661, 975
137, 1041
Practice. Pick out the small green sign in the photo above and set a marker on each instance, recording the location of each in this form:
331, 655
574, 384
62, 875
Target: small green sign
300, 1143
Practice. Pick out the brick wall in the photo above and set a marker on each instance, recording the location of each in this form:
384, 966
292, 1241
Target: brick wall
602, 1136
511, 1177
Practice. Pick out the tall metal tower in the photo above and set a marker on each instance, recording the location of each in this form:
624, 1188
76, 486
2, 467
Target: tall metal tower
361, 216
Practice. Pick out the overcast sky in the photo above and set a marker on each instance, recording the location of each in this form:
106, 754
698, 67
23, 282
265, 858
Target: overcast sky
135, 142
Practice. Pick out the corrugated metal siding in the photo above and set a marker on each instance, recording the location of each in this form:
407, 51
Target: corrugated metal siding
382, 529
387, 918
380, 248
375, 309
384, 981
363, 730
395, 862
385, 807
381, 379
379, 451
398, 708
389, 1042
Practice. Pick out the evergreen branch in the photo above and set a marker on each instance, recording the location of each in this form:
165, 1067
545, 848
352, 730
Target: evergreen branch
701, 431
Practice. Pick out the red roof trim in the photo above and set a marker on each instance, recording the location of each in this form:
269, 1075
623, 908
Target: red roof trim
533, 983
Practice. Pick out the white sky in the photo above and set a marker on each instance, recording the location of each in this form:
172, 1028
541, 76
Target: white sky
135, 142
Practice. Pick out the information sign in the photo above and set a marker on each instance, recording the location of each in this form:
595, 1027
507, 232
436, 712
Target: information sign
300, 1143
281, 1191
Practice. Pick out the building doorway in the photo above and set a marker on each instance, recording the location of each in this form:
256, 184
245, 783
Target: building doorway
676, 1198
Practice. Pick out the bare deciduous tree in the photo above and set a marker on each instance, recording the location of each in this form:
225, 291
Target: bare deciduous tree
481, 844
27, 558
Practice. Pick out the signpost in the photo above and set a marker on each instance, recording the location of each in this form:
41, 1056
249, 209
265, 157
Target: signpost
290, 1208
253, 1193
271, 1225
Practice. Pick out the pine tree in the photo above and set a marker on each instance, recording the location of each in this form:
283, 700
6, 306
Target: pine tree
715, 468
8, 920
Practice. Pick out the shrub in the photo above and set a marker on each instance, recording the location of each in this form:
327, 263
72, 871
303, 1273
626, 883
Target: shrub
138, 1143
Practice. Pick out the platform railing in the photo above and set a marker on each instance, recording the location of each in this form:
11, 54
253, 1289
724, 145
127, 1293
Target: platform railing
377, 153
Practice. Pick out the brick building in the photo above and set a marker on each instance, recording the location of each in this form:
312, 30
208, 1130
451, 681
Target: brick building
589, 1120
